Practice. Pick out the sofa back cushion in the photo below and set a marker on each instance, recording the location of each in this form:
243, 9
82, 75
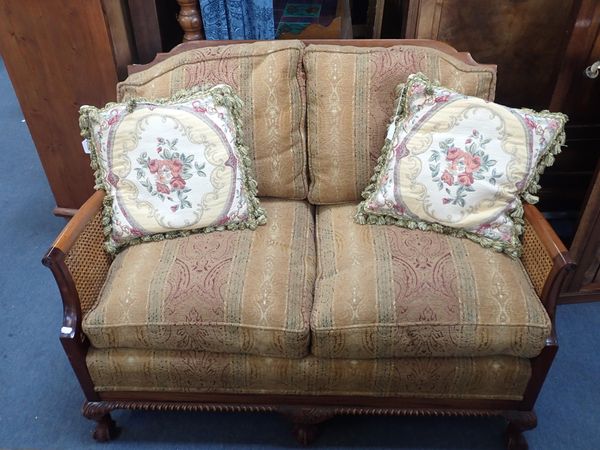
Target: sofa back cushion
350, 96
269, 79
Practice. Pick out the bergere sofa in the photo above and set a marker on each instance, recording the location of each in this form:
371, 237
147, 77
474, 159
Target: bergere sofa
312, 314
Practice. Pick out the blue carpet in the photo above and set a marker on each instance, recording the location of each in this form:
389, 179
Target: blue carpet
40, 400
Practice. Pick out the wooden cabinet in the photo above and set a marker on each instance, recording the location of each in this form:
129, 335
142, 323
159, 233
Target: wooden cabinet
579, 96
525, 38
59, 56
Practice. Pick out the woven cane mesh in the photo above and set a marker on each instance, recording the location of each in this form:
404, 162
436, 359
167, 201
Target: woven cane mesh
536, 260
88, 263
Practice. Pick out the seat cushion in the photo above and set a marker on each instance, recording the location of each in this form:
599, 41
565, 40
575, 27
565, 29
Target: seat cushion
385, 291
269, 79
350, 97
232, 291
488, 377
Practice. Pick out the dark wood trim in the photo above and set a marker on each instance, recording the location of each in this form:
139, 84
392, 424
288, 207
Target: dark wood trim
312, 400
579, 297
540, 366
305, 416
72, 338
445, 48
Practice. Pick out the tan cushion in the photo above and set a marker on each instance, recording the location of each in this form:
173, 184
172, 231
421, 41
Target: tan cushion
232, 291
350, 95
268, 77
386, 291
490, 377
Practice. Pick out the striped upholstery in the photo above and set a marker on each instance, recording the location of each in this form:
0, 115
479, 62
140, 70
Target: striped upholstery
268, 78
350, 97
491, 377
232, 291
386, 291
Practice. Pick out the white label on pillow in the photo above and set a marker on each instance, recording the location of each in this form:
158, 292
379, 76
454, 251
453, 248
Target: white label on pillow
86, 149
390, 134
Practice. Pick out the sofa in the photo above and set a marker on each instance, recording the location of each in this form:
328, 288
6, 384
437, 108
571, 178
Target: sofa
311, 315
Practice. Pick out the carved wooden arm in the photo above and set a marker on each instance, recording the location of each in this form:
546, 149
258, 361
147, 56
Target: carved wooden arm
79, 264
545, 258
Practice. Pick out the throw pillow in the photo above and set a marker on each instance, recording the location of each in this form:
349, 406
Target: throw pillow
458, 165
171, 167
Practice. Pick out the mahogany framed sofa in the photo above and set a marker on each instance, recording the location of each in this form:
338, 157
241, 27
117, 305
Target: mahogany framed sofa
311, 315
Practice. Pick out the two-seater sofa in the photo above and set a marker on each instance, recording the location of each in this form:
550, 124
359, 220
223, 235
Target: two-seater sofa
312, 314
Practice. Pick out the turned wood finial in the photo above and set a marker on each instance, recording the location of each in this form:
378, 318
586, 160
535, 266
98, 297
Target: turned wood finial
190, 20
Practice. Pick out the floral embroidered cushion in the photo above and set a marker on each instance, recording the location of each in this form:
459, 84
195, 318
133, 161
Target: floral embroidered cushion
171, 167
458, 165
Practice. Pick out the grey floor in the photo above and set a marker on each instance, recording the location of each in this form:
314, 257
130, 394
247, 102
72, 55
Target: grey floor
40, 400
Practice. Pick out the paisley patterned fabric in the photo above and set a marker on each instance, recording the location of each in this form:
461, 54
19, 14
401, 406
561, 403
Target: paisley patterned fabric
496, 377
238, 19
171, 167
232, 292
269, 78
391, 292
351, 92
457, 164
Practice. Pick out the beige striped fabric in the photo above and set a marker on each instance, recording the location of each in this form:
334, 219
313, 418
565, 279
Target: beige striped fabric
268, 77
388, 292
231, 291
350, 96
495, 377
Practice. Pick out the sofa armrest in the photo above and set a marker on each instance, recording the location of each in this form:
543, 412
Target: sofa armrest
79, 262
545, 258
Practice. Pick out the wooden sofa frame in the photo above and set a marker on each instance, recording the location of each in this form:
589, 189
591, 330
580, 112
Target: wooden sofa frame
79, 265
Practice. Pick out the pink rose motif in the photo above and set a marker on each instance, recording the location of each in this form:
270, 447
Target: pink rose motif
465, 178
154, 165
447, 178
162, 188
445, 201
176, 166
177, 183
174, 208
454, 153
442, 98
472, 162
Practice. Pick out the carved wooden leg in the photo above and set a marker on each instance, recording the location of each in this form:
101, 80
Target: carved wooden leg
305, 421
518, 422
106, 428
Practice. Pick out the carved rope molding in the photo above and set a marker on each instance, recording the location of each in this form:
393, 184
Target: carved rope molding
95, 410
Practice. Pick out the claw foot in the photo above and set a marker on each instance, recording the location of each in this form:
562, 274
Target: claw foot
518, 422
305, 434
106, 429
